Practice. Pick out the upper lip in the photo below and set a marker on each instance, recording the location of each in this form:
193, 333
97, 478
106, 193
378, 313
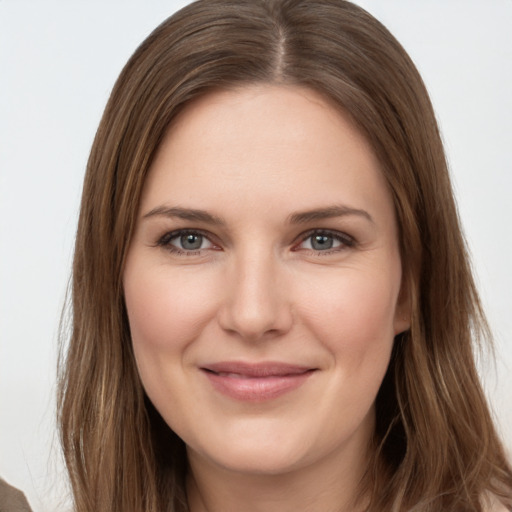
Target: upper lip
262, 369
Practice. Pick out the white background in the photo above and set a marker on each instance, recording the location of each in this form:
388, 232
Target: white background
58, 62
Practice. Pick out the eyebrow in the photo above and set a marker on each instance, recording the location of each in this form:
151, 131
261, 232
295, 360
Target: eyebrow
305, 217
185, 214
327, 213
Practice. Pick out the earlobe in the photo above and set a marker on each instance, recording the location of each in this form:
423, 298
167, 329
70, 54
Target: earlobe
402, 322
403, 310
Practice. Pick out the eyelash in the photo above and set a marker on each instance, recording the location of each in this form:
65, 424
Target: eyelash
346, 241
165, 241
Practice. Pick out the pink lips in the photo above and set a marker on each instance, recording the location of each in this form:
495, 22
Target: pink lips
255, 382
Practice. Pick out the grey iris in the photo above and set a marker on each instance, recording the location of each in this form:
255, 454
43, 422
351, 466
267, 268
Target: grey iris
191, 242
321, 242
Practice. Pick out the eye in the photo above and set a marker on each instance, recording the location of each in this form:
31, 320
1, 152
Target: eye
186, 242
325, 241
189, 242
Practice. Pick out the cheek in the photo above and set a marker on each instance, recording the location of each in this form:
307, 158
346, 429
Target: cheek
166, 310
354, 316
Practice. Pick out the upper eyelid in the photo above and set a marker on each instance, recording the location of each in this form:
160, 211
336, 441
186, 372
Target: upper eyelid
170, 235
333, 232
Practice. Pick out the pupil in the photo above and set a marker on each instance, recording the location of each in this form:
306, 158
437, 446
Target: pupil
191, 242
321, 242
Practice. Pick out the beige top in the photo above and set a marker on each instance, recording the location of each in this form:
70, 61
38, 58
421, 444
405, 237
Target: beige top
11, 499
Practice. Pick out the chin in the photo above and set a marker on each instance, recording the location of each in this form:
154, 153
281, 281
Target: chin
255, 461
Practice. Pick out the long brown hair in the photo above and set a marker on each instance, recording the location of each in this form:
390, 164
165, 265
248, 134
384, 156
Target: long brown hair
435, 444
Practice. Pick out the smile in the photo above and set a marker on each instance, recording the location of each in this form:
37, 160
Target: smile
256, 382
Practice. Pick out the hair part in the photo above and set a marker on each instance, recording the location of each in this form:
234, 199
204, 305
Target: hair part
435, 446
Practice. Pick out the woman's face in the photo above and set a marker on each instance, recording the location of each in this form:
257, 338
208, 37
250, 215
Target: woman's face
262, 284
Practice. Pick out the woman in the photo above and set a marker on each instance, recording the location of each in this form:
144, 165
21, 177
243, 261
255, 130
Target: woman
272, 303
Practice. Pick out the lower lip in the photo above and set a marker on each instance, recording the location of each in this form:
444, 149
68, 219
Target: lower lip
256, 389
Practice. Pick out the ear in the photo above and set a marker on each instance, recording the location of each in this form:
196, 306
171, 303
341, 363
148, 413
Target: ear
403, 310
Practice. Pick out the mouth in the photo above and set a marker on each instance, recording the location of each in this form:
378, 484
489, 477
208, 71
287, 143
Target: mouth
256, 382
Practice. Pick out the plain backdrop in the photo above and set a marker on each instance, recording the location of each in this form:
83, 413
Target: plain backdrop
58, 62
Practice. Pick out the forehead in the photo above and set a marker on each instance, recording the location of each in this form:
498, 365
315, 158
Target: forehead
280, 145
266, 117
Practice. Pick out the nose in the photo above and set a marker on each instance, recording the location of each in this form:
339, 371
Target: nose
256, 304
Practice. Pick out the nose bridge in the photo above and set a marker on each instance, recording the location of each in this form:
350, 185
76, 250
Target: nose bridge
256, 302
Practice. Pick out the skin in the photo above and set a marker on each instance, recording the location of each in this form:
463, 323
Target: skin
259, 288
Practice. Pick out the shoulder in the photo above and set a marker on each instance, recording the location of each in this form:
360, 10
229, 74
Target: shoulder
497, 507
493, 504
11, 499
